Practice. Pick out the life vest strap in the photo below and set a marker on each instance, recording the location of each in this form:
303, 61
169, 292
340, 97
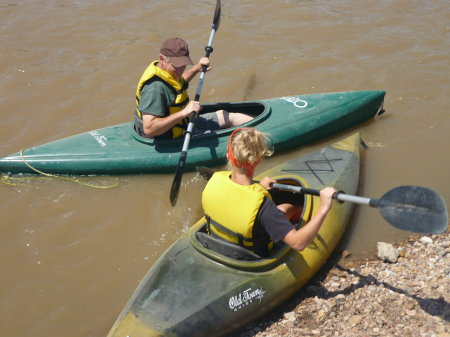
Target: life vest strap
241, 238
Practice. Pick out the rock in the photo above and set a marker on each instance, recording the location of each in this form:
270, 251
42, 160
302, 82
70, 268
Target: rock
321, 316
346, 253
354, 320
340, 297
426, 240
387, 252
410, 305
335, 285
290, 316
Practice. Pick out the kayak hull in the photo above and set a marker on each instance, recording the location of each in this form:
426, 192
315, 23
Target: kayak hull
194, 291
291, 121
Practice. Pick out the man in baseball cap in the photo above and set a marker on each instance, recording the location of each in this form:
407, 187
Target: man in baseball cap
163, 107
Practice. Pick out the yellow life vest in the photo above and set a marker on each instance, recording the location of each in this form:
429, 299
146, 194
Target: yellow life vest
179, 87
231, 208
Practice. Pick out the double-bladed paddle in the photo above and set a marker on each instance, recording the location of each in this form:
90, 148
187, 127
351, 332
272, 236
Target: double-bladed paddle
175, 189
412, 208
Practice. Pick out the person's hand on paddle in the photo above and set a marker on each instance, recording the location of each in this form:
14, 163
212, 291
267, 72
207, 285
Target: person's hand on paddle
267, 182
204, 61
190, 73
193, 106
326, 199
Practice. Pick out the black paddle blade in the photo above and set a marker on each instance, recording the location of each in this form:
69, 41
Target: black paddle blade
174, 190
416, 209
176, 183
216, 21
205, 172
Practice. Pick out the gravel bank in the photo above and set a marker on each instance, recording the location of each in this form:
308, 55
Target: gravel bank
406, 298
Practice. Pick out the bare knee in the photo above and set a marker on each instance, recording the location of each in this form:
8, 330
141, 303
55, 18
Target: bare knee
229, 119
223, 117
290, 211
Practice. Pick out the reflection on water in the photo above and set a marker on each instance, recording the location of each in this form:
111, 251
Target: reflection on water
71, 254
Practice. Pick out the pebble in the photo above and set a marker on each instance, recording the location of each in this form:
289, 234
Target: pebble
407, 297
426, 240
387, 252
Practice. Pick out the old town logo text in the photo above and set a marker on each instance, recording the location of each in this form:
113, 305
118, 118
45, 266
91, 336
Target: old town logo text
245, 297
98, 137
296, 100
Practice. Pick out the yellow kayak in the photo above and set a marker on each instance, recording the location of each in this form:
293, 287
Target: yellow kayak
202, 286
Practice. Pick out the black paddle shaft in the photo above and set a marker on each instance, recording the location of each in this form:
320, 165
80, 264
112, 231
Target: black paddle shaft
175, 188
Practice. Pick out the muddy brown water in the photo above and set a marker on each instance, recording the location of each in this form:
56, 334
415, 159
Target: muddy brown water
72, 255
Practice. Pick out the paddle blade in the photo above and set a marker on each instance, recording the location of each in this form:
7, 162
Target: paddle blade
176, 183
175, 190
205, 172
416, 209
216, 21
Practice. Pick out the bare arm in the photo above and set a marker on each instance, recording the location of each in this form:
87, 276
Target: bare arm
300, 239
156, 126
189, 74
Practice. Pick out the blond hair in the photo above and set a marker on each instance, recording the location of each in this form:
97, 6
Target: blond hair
249, 146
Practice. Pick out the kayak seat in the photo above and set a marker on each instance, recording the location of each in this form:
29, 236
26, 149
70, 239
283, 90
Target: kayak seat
226, 248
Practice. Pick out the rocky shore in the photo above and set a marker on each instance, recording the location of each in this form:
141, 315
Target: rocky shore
403, 292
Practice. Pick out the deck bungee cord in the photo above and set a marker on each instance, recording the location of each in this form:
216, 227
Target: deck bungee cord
6, 179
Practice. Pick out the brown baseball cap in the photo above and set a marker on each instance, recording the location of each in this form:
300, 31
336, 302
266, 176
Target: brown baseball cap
178, 51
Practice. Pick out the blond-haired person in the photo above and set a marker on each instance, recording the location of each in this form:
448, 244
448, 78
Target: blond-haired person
241, 211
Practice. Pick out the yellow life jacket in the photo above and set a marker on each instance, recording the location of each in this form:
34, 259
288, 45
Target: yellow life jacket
231, 208
179, 87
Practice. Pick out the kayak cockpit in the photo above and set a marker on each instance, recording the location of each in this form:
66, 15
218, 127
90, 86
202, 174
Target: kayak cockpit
232, 254
257, 110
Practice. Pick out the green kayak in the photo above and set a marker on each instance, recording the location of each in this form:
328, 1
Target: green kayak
290, 121
202, 286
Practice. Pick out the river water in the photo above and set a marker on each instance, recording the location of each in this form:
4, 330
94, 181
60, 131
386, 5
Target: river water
72, 255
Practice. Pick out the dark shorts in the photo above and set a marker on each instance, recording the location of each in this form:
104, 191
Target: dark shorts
205, 123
